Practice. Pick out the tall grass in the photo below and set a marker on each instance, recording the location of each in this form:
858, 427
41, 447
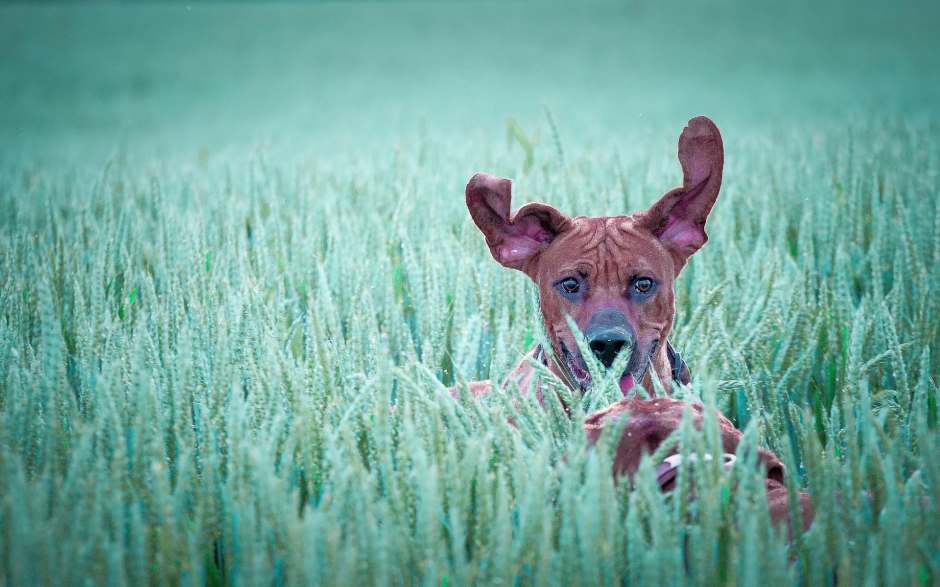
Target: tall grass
236, 375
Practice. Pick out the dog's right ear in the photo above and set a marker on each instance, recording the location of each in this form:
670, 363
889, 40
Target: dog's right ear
513, 237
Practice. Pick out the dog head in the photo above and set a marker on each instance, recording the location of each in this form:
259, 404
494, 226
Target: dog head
613, 275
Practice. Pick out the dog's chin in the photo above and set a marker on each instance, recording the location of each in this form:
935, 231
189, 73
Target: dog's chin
579, 372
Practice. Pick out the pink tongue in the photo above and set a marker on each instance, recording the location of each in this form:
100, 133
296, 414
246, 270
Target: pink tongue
626, 383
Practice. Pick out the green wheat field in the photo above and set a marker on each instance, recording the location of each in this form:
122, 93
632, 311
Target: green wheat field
237, 273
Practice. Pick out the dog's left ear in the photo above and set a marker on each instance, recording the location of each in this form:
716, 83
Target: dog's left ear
678, 218
514, 238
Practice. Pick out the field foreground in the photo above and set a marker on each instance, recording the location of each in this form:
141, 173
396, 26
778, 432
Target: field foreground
198, 375
232, 370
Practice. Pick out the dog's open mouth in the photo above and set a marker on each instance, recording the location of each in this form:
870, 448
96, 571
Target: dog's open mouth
581, 375
636, 368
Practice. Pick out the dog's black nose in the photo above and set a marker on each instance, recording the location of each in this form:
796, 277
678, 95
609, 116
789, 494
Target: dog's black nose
606, 345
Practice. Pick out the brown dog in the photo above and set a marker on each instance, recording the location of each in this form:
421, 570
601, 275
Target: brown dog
614, 276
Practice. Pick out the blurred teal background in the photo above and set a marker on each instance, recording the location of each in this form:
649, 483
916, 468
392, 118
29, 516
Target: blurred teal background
330, 78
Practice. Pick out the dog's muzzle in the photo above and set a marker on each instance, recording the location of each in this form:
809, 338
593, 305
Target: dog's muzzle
607, 335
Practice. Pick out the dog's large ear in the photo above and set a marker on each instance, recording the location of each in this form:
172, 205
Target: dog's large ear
513, 237
678, 218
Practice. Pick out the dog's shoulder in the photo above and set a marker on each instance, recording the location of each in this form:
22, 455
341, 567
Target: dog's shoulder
477, 389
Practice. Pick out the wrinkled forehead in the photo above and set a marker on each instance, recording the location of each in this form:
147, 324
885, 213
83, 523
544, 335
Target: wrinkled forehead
606, 250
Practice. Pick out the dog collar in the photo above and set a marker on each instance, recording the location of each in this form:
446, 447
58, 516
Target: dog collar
680, 370
669, 468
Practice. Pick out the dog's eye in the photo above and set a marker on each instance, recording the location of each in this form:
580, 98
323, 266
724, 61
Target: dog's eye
643, 285
570, 285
